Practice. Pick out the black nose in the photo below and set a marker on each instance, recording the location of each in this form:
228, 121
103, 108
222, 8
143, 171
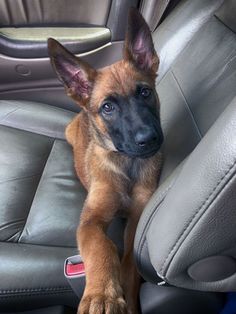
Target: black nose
145, 136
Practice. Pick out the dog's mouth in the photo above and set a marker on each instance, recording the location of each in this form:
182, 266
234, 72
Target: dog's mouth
140, 154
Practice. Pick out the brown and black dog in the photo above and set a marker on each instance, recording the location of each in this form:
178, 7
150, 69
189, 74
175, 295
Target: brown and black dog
116, 140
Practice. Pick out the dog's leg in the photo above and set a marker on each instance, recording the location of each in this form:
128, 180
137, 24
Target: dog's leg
103, 293
129, 273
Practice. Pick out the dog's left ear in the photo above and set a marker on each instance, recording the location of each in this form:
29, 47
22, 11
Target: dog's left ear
139, 47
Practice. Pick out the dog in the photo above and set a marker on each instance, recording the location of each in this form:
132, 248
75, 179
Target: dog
116, 140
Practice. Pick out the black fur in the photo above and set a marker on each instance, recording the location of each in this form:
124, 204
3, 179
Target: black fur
134, 117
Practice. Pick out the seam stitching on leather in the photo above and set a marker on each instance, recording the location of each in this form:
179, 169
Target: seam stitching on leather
29, 294
36, 191
186, 103
197, 211
34, 289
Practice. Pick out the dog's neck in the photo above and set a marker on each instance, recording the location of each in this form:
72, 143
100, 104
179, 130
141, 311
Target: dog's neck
128, 168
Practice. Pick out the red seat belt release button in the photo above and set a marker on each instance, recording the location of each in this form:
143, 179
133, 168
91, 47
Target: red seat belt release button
74, 269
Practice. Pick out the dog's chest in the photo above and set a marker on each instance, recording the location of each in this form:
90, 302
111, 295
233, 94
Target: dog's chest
133, 169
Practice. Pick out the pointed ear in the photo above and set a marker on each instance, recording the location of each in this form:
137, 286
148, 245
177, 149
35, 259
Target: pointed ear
139, 47
76, 75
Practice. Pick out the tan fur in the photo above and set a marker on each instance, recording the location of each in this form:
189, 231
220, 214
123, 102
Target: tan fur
104, 174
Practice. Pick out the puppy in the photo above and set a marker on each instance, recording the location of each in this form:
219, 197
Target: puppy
116, 140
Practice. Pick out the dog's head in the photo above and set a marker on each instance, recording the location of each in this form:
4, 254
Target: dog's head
120, 99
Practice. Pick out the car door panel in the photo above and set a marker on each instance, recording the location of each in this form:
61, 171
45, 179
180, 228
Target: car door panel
93, 30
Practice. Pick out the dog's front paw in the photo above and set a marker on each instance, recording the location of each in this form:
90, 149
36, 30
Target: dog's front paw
102, 304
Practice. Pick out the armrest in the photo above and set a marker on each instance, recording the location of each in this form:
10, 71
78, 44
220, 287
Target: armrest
191, 238
31, 42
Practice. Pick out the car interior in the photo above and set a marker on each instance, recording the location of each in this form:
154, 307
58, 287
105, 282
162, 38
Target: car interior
185, 244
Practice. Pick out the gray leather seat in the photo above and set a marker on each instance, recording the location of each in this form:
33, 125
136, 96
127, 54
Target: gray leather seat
189, 218
186, 236
40, 205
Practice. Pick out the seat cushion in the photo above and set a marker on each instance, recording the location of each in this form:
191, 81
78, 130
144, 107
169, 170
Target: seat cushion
41, 200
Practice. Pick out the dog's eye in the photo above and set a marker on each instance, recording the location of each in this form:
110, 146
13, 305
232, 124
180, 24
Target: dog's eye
145, 92
108, 107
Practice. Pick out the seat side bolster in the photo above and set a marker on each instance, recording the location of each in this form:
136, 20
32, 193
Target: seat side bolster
140, 244
196, 220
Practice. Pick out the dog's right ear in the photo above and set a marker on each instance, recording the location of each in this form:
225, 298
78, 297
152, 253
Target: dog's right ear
76, 75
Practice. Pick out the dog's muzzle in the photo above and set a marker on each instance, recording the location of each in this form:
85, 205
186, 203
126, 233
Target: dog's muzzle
145, 144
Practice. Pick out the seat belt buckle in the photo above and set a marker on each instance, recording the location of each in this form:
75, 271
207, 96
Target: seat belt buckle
75, 274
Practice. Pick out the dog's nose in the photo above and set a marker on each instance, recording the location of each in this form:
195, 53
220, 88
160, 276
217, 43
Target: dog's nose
145, 136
